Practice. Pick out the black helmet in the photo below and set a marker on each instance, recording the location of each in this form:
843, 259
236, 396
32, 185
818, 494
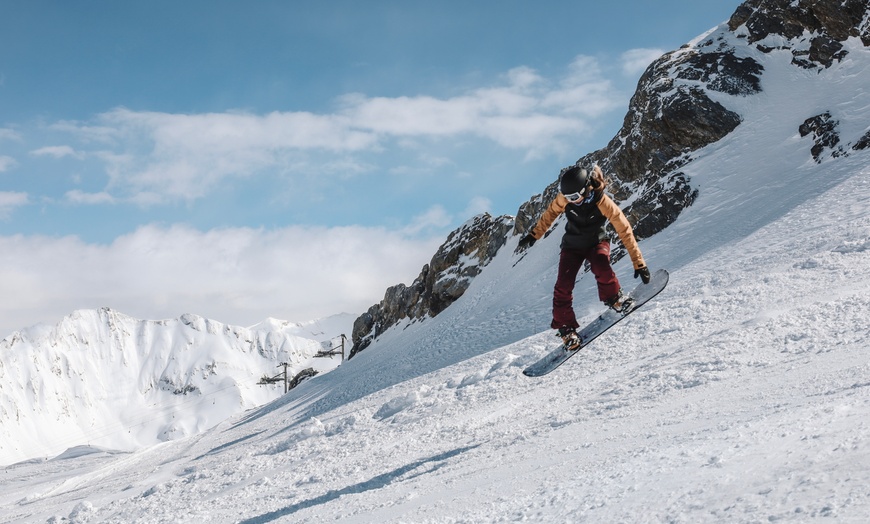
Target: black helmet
574, 180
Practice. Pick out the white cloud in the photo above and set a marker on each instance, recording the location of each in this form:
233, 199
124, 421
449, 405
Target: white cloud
585, 92
436, 160
55, 151
436, 217
9, 134
238, 276
478, 205
80, 197
635, 61
528, 113
7, 163
184, 156
153, 156
10, 200
89, 133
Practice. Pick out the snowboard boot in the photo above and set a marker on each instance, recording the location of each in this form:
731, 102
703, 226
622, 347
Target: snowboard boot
569, 338
621, 303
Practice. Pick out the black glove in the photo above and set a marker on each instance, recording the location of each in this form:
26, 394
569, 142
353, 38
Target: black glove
643, 273
527, 241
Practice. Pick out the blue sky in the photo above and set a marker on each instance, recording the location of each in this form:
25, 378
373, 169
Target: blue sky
289, 158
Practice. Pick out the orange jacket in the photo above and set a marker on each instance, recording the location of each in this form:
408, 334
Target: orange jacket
609, 209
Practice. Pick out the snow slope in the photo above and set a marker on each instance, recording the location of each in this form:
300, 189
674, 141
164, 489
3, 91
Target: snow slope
740, 394
327, 330
104, 379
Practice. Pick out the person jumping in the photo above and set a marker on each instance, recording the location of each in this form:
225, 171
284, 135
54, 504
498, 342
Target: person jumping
588, 208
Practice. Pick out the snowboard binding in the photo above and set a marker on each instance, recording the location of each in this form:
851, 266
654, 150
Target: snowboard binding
570, 338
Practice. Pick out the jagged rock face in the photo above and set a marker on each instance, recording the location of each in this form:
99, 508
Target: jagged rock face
461, 258
670, 116
825, 23
815, 30
825, 132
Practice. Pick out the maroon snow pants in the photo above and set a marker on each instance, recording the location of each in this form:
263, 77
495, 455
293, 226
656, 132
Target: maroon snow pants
570, 262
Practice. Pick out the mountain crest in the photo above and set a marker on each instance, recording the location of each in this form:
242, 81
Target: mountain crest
675, 111
441, 282
134, 374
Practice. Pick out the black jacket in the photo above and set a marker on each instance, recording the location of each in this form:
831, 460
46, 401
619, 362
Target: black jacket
586, 225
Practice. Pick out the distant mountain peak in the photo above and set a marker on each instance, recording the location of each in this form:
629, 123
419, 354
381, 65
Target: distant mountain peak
142, 381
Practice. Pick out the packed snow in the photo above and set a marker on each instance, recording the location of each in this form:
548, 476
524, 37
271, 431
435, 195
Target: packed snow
740, 394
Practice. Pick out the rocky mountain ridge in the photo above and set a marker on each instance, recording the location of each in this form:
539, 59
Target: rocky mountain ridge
443, 280
673, 113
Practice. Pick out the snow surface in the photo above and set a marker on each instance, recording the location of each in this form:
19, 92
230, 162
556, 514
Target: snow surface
104, 380
740, 394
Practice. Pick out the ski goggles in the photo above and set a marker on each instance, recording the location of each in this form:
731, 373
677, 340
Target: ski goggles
575, 198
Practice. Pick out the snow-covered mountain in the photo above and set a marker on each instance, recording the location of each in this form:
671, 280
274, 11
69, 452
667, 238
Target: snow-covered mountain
685, 101
107, 379
740, 394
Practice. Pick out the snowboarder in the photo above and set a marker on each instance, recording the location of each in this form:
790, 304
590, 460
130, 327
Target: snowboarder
588, 209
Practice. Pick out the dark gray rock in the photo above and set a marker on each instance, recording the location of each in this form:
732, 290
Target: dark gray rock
823, 129
825, 22
440, 283
302, 375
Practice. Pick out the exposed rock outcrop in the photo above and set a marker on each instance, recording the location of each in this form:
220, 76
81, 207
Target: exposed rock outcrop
305, 374
825, 133
823, 128
814, 29
461, 258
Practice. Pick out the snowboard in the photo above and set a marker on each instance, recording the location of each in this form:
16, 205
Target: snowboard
641, 294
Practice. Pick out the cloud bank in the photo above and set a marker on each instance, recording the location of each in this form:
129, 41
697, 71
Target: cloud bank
238, 276
154, 157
